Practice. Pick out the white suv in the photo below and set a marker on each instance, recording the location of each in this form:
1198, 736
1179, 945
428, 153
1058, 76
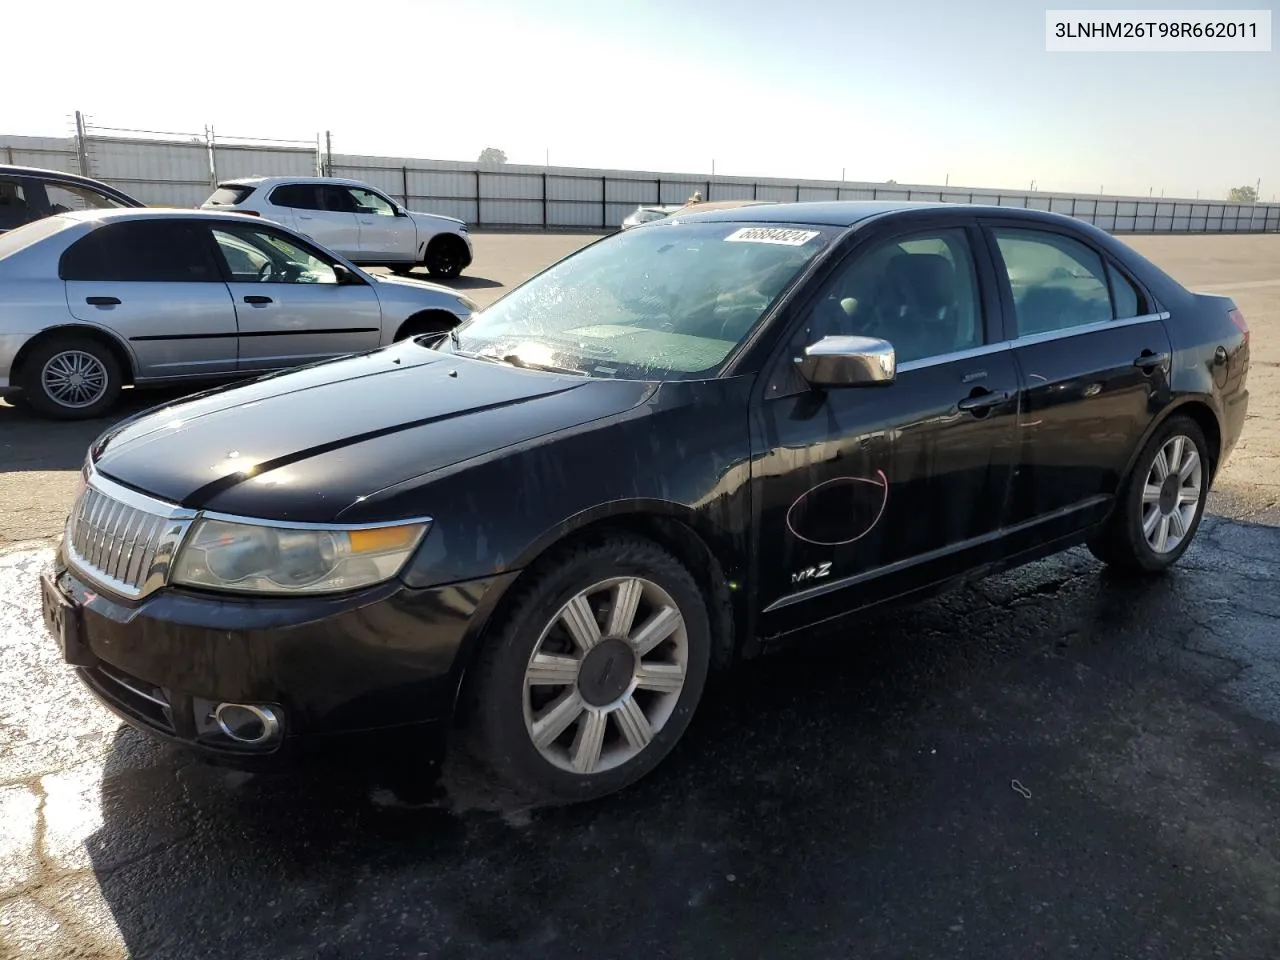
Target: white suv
353, 219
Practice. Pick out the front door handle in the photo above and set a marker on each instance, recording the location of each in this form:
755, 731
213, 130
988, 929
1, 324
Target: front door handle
1148, 361
981, 400
257, 300
103, 301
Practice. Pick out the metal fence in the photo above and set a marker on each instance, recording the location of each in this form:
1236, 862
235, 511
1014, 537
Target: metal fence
182, 172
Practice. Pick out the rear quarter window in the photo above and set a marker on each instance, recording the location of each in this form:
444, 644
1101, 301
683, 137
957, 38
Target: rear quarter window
229, 196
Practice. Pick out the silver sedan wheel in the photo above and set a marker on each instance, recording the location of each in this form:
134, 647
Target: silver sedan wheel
1171, 494
605, 675
74, 379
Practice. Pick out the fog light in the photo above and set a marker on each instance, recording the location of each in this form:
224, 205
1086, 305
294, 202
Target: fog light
248, 723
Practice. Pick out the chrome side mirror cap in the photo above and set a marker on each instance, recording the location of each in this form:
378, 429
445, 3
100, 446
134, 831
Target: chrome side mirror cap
848, 362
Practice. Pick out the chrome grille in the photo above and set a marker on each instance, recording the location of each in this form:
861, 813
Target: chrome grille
123, 540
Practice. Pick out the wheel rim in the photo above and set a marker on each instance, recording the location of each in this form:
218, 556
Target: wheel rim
1171, 494
74, 379
605, 675
445, 258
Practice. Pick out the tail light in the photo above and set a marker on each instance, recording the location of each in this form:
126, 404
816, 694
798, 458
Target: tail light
1238, 319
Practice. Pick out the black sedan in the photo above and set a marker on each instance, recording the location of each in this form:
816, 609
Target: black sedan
665, 452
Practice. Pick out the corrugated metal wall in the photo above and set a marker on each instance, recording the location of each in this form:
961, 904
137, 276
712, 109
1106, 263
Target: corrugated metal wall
173, 173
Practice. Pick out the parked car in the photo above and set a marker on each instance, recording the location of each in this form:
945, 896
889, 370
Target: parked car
358, 221
643, 214
95, 300
671, 449
28, 194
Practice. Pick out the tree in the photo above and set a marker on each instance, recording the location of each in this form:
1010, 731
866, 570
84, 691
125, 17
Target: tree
1243, 194
493, 155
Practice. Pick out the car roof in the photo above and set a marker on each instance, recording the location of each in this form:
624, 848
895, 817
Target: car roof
846, 213
259, 181
151, 213
40, 173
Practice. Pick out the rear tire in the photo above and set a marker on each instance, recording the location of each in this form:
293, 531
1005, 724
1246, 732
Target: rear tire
71, 378
623, 703
445, 256
1162, 503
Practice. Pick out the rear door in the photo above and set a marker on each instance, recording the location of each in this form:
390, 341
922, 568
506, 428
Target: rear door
1094, 358
331, 222
156, 284
290, 306
385, 234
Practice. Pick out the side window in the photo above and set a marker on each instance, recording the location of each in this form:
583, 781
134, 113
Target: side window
1057, 282
920, 293
336, 199
369, 202
65, 197
254, 255
150, 251
1127, 300
16, 208
299, 196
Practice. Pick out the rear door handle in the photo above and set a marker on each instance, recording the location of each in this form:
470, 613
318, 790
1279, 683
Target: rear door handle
981, 400
1148, 361
257, 300
103, 301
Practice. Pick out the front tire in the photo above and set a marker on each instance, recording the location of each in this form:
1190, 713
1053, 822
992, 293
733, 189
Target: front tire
1162, 503
445, 257
71, 378
593, 675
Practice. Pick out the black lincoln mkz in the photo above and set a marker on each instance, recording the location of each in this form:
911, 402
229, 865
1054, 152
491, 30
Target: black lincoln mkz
662, 453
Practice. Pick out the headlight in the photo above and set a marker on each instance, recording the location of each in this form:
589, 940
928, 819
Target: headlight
255, 558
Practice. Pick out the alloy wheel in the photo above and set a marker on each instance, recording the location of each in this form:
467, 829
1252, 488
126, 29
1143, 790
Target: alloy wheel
74, 379
605, 675
1171, 494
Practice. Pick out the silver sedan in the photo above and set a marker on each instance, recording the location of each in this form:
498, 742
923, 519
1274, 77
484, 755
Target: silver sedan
94, 300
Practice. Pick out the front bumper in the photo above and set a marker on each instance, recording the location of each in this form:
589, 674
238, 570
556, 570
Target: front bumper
341, 672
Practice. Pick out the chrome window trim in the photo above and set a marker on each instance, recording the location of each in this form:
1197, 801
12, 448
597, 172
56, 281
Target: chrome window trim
1085, 328
1029, 340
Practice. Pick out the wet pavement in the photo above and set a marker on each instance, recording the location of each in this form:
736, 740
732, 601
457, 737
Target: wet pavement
1055, 762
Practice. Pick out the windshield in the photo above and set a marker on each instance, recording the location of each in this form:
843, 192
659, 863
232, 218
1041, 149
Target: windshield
19, 238
667, 303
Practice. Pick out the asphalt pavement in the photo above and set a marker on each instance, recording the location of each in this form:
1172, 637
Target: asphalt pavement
1055, 762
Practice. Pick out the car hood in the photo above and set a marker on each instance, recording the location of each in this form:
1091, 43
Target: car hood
437, 220
307, 444
413, 284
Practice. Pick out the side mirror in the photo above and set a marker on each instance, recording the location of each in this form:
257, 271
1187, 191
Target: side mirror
848, 362
343, 274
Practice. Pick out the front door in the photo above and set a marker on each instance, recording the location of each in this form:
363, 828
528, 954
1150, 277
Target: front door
1094, 358
332, 223
289, 303
865, 493
385, 235
156, 284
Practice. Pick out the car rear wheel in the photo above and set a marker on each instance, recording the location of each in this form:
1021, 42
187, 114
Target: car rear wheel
593, 675
1162, 504
445, 256
71, 378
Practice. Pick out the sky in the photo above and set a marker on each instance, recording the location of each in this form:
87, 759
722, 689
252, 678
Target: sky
917, 91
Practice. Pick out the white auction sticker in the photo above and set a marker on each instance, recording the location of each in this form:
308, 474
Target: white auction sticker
1158, 31
781, 235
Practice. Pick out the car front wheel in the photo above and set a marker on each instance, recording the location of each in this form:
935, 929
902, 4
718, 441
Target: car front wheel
446, 255
593, 674
1161, 506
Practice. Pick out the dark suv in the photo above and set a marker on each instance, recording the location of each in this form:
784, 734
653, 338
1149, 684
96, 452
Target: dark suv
29, 193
